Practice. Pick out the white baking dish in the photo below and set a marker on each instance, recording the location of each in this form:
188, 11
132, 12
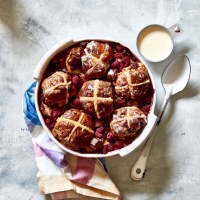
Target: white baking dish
38, 74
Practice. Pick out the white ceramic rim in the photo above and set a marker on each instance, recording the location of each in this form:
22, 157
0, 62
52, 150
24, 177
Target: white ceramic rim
38, 74
163, 28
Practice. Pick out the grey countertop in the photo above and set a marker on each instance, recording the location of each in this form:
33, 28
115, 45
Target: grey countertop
29, 28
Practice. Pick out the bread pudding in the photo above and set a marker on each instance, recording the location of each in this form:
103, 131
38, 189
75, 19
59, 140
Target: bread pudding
95, 96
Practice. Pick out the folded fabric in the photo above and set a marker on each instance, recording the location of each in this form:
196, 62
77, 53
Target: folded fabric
60, 174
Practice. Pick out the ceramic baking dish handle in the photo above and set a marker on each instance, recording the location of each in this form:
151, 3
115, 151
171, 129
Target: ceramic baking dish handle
147, 131
49, 55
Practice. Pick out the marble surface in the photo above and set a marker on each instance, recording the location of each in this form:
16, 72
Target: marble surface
29, 28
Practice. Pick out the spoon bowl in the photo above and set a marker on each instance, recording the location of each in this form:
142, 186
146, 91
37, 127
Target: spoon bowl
176, 74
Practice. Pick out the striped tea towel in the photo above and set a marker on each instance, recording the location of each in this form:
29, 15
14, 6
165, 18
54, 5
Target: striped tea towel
61, 174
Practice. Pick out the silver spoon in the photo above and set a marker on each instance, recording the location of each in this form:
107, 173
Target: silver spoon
174, 79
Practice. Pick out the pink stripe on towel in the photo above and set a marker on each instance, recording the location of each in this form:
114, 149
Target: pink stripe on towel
84, 170
38, 151
59, 195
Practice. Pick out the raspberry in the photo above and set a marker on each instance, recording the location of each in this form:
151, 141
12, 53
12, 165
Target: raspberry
118, 48
51, 125
98, 135
118, 145
73, 90
134, 59
110, 136
47, 121
55, 112
118, 55
146, 109
115, 64
75, 79
100, 129
76, 102
149, 100
135, 66
104, 149
107, 147
121, 66
125, 61
110, 147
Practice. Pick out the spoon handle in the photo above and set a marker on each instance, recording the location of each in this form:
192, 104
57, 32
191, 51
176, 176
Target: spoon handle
164, 105
139, 168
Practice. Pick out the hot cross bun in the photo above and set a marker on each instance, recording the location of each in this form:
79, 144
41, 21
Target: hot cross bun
127, 121
55, 88
132, 83
74, 129
73, 60
96, 98
95, 62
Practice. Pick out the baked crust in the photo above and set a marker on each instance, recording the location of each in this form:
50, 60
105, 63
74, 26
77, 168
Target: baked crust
74, 129
96, 98
55, 88
132, 83
73, 60
95, 62
127, 121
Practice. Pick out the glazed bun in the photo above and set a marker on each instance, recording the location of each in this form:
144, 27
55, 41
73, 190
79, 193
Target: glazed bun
96, 98
55, 88
127, 121
95, 62
132, 83
74, 129
73, 60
